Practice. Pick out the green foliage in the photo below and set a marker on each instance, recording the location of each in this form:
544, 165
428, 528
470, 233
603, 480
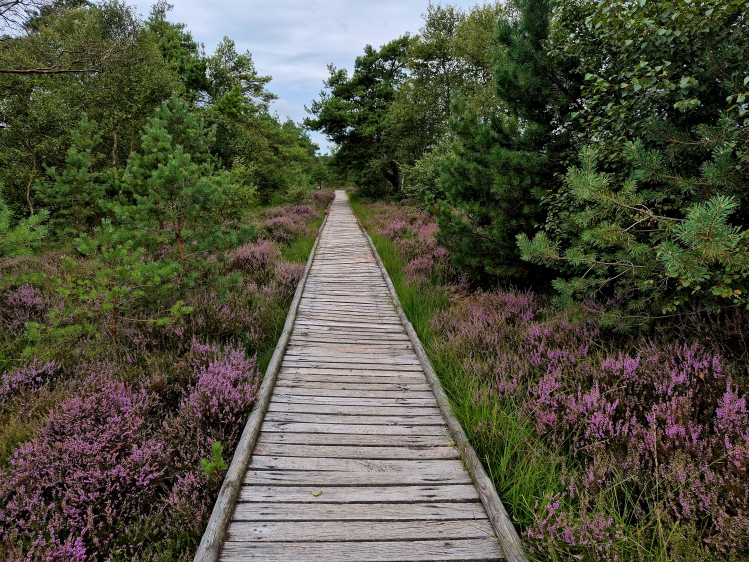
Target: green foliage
180, 50
122, 280
451, 58
232, 74
175, 182
123, 81
24, 237
501, 166
216, 464
75, 194
658, 223
265, 155
655, 249
674, 60
423, 180
492, 193
354, 113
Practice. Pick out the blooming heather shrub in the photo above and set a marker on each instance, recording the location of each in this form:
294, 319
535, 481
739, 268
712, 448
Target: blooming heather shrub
241, 313
304, 212
92, 467
225, 387
413, 233
323, 197
668, 420
287, 277
21, 305
222, 387
28, 377
255, 258
283, 229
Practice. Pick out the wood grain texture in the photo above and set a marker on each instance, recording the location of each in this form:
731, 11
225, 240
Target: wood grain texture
376, 440
374, 551
370, 511
346, 531
460, 493
430, 451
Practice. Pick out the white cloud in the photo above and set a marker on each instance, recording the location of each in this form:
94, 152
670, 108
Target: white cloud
295, 40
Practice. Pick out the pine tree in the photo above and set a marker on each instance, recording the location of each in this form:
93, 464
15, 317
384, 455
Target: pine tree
503, 165
75, 194
176, 183
653, 249
22, 238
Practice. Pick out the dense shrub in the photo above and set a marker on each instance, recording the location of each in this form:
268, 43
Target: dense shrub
255, 257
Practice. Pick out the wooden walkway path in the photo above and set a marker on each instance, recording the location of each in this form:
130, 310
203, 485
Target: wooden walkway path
353, 460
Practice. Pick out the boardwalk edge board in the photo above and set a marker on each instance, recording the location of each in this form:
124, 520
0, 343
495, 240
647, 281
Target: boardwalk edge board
500, 520
213, 537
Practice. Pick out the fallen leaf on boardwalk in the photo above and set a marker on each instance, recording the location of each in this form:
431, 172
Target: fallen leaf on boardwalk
317, 493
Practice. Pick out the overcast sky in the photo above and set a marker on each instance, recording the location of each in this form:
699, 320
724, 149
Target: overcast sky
295, 40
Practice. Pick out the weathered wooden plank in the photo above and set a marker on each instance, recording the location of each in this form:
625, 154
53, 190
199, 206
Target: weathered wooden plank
297, 341
367, 511
340, 370
408, 380
317, 383
315, 426
374, 411
374, 551
347, 531
367, 319
405, 420
349, 478
338, 338
382, 440
438, 468
364, 358
353, 401
294, 362
356, 452
339, 390
361, 494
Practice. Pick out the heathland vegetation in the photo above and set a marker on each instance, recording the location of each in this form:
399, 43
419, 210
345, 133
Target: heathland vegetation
559, 191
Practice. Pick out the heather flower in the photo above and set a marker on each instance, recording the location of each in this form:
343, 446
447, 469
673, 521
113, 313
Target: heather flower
419, 270
255, 257
22, 305
283, 229
93, 465
304, 212
323, 197
287, 277
225, 388
29, 377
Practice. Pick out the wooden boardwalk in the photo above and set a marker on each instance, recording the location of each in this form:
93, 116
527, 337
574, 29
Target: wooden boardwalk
353, 460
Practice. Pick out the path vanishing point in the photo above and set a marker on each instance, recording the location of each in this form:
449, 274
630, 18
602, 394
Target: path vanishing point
351, 452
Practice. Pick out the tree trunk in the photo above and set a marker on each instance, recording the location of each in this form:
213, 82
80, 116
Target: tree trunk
28, 186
